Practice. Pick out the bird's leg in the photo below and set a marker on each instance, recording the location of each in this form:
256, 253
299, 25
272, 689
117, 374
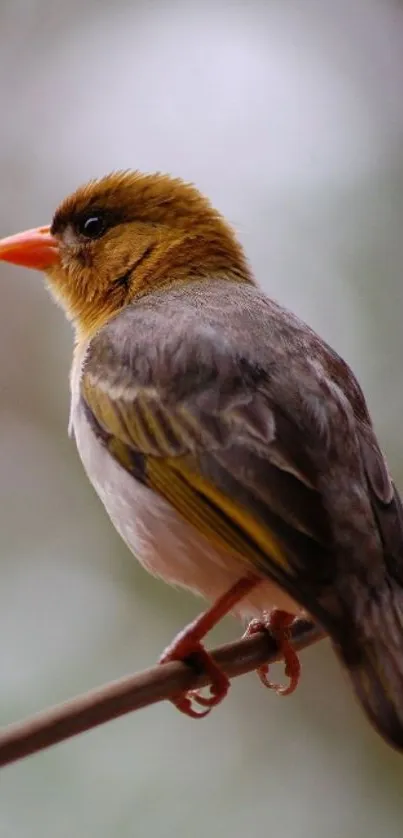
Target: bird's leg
187, 647
278, 624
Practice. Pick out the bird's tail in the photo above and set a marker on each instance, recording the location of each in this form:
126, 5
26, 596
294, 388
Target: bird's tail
372, 651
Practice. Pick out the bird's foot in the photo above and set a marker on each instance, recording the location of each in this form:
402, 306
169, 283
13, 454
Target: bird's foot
187, 649
278, 624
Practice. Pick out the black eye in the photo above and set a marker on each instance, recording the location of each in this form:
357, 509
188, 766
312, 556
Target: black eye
92, 226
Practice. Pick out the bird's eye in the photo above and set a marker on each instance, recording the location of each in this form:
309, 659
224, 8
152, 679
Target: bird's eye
92, 226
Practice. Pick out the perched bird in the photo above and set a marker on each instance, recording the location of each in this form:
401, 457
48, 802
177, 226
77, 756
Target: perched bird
231, 447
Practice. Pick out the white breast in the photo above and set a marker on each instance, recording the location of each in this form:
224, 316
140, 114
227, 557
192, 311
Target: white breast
161, 540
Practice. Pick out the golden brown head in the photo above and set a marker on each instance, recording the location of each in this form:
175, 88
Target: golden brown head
115, 238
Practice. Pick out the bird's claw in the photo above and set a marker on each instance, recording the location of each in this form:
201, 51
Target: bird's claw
278, 624
193, 653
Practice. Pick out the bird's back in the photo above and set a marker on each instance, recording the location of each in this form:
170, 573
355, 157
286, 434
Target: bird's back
229, 400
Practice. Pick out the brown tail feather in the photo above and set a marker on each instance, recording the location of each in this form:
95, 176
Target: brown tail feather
373, 655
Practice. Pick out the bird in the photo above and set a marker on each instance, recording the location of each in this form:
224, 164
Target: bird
231, 446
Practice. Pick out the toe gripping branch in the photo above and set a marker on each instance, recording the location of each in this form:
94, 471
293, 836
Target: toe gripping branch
187, 647
278, 623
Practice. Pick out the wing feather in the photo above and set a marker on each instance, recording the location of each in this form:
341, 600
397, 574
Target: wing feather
226, 472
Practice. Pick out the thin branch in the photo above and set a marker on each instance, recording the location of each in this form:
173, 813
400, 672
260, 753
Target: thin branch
135, 691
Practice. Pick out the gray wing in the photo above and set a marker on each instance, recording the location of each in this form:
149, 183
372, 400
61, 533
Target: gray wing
238, 417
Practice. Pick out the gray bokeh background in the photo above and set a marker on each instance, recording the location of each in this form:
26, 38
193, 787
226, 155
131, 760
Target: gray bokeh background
290, 116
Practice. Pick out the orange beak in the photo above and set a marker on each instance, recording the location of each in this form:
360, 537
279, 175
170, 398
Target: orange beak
31, 249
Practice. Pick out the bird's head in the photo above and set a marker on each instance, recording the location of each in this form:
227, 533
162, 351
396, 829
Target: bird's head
117, 238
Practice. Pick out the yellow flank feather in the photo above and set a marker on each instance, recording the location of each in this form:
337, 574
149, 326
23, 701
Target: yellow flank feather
168, 442
221, 521
247, 523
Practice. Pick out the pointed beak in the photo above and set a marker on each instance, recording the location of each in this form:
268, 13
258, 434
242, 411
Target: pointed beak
32, 249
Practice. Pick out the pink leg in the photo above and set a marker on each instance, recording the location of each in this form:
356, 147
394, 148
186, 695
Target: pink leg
187, 647
278, 623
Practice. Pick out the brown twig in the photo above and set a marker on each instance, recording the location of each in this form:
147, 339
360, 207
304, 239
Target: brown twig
135, 691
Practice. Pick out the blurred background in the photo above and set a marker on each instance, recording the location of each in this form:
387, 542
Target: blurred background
290, 117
